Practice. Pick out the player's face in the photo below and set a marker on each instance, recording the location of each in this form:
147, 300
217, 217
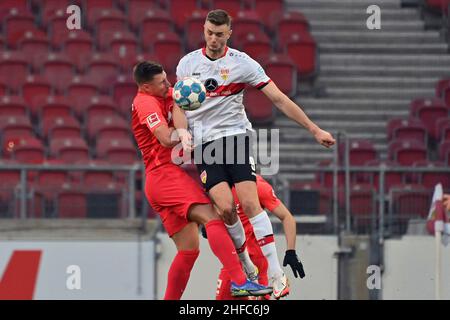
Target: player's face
216, 37
159, 86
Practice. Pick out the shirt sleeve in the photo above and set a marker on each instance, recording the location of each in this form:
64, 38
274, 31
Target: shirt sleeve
267, 196
149, 113
256, 76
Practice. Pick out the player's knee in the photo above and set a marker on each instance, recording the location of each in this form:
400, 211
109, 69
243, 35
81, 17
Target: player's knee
251, 208
229, 214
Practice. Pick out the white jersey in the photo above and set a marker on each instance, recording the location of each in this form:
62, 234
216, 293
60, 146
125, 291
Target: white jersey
222, 113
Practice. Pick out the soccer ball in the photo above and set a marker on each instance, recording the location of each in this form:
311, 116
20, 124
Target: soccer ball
189, 93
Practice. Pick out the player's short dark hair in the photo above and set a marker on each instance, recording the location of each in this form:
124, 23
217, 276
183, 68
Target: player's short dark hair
219, 17
145, 71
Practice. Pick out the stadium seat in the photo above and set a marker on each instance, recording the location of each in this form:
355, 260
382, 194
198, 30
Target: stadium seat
69, 150
230, 6
407, 129
194, 30
440, 85
14, 68
430, 179
259, 109
325, 178
10, 4
13, 127
108, 127
71, 202
136, 9
100, 106
123, 92
15, 24
123, 45
52, 178
255, 45
410, 200
406, 152
289, 22
57, 27
49, 7
9, 181
428, 110
266, 8
246, 22
79, 46
95, 9
28, 150
302, 49
34, 90
102, 70
307, 198
282, 71
108, 23
58, 69
13, 106
117, 151
444, 151
360, 152
166, 46
180, 16
54, 106
152, 22
35, 45
80, 91
391, 178
60, 128
443, 128
4, 90
96, 179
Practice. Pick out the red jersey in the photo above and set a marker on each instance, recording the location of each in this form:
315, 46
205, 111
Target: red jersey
147, 114
267, 199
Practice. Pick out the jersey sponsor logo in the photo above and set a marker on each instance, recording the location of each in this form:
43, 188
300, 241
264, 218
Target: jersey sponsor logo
153, 120
227, 90
211, 84
224, 73
196, 74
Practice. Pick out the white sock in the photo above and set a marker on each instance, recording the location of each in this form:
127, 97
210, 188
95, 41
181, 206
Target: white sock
237, 234
264, 234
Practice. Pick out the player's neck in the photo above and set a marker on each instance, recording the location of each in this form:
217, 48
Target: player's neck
214, 55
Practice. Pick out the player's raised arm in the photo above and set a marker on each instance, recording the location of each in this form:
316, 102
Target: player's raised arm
295, 112
181, 126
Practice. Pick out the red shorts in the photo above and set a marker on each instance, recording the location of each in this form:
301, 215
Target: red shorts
171, 192
258, 258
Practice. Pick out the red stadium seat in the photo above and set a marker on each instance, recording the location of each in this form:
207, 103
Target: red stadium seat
440, 85
302, 49
60, 128
10, 4
194, 30
59, 70
54, 106
79, 46
166, 46
101, 106
117, 151
230, 6
430, 179
71, 202
15, 24
391, 178
97, 179
28, 150
323, 195
123, 45
443, 128
4, 90
102, 69
429, 110
289, 22
13, 106
52, 178
108, 21
136, 9
57, 27
69, 150
282, 71
50, 7
109, 127
256, 45
80, 91
266, 8
14, 68
34, 90
124, 90
407, 129
35, 45
246, 22
361, 152
95, 8
406, 152
410, 201
180, 16
444, 151
259, 108
14, 127
152, 22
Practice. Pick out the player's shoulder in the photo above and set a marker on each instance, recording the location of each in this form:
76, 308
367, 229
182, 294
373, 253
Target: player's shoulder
239, 56
191, 55
145, 100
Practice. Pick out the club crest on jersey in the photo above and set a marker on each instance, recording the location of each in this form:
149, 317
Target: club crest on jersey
224, 73
203, 177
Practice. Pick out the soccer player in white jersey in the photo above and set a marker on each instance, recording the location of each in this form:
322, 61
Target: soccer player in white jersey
225, 130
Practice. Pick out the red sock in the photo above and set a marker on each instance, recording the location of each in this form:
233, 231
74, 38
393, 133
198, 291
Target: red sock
222, 246
179, 273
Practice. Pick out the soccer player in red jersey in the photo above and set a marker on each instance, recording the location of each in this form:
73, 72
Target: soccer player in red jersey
269, 201
180, 202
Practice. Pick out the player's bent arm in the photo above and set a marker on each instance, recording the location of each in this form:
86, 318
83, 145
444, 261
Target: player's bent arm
181, 125
289, 224
166, 136
295, 112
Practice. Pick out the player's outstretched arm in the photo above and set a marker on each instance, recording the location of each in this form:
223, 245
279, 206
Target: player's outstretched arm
290, 231
295, 112
166, 136
181, 125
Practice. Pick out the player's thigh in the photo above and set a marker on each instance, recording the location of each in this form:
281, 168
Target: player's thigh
202, 213
187, 238
247, 194
222, 197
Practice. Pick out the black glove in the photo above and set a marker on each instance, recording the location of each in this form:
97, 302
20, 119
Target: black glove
203, 230
291, 259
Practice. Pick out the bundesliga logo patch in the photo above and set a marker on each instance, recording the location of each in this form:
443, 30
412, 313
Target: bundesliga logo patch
153, 120
203, 176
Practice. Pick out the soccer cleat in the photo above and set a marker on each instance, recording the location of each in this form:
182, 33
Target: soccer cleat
249, 288
280, 285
